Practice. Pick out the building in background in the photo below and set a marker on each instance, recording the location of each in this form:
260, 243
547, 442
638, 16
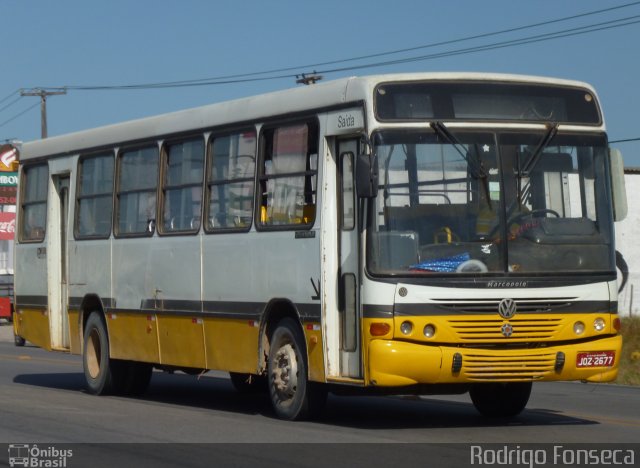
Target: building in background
8, 191
628, 244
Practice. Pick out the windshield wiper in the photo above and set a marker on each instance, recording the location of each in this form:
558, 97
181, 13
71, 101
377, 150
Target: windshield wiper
530, 163
476, 167
535, 156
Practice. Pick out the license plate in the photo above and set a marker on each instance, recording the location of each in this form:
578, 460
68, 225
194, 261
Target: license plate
596, 359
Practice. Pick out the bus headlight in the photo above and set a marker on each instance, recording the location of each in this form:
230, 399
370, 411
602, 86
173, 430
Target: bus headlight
599, 324
429, 330
406, 328
578, 328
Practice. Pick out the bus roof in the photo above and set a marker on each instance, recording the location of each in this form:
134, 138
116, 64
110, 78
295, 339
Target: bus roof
322, 95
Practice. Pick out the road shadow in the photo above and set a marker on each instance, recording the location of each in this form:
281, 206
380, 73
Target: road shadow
398, 412
361, 412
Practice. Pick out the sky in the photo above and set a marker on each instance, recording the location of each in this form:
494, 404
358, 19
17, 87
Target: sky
80, 43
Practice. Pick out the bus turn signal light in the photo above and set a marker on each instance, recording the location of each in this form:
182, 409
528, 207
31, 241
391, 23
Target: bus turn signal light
616, 324
379, 329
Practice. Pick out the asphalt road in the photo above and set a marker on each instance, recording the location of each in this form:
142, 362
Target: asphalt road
44, 402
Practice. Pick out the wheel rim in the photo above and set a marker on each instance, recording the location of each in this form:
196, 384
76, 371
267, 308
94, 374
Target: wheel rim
93, 354
284, 374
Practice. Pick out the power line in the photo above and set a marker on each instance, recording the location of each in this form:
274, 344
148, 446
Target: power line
249, 77
11, 103
242, 78
18, 115
253, 77
498, 45
625, 140
8, 96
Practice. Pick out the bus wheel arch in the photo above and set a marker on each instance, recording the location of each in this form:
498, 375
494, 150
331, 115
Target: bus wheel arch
90, 303
275, 311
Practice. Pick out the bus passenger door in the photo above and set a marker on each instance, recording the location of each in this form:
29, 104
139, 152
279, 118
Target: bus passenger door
348, 271
57, 262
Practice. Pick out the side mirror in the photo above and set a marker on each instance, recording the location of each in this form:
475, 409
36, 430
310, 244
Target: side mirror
367, 176
617, 185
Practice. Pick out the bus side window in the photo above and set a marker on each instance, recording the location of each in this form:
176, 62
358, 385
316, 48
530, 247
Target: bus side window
34, 203
136, 195
95, 196
288, 176
230, 181
182, 186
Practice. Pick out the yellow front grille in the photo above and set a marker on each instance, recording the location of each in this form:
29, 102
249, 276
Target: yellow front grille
523, 329
524, 366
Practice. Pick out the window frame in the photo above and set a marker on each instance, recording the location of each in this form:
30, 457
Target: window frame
162, 187
313, 143
342, 179
23, 187
76, 221
117, 192
209, 184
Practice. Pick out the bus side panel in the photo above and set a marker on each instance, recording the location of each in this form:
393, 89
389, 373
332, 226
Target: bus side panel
291, 267
131, 269
33, 326
89, 273
75, 331
315, 354
174, 276
232, 345
133, 336
31, 289
242, 273
181, 341
230, 296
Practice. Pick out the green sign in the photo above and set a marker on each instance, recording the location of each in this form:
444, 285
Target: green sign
8, 179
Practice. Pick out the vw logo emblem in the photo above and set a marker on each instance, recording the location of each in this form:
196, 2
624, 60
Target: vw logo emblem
507, 330
507, 308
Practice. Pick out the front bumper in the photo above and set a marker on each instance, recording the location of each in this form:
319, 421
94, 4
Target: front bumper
394, 363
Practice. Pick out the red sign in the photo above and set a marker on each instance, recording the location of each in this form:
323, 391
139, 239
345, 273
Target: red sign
7, 226
8, 195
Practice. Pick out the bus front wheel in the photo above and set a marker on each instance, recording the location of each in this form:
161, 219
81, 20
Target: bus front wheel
292, 395
496, 400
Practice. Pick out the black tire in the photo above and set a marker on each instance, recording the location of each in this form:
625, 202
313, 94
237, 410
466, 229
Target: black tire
248, 383
103, 375
292, 395
500, 400
18, 340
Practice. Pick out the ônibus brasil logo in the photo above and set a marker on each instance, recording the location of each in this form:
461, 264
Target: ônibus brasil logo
28, 455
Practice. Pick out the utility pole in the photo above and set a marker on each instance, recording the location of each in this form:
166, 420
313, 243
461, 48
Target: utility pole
43, 93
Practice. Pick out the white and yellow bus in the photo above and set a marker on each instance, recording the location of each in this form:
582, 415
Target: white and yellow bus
408, 233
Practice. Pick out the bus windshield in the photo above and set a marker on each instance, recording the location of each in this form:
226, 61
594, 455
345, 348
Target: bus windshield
471, 202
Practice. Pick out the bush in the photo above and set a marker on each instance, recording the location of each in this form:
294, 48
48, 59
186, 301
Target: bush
629, 373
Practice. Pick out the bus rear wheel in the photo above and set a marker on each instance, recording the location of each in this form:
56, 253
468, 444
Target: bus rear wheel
137, 378
292, 395
103, 375
18, 340
497, 400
